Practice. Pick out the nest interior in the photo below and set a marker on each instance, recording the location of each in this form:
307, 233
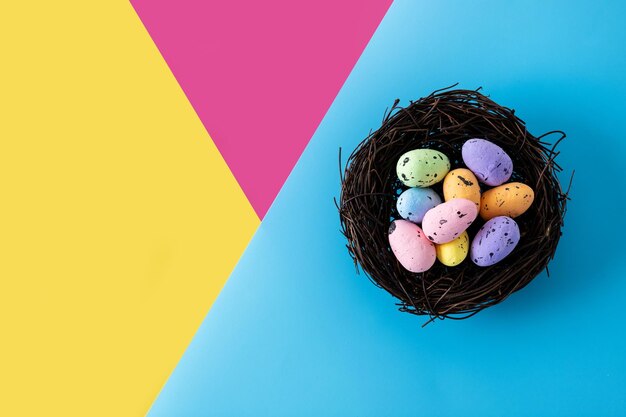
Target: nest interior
444, 120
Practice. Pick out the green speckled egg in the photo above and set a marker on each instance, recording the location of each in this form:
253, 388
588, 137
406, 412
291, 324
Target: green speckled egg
422, 167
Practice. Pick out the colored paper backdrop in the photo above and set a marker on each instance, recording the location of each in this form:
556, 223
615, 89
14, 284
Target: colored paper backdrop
261, 74
301, 334
112, 246
119, 220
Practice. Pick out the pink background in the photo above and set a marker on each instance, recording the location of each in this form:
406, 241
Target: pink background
261, 75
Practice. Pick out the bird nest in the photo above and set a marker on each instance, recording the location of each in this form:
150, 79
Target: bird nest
443, 121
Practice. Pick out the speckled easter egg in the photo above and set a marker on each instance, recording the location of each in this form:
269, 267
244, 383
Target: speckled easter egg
511, 199
409, 245
494, 241
415, 202
461, 183
422, 167
455, 251
488, 161
448, 220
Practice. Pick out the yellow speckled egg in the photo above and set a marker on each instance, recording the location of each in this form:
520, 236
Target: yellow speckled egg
461, 183
511, 199
454, 252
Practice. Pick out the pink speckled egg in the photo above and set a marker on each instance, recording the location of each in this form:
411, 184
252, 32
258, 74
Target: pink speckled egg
410, 246
448, 220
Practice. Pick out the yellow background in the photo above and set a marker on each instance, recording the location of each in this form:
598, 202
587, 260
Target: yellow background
119, 220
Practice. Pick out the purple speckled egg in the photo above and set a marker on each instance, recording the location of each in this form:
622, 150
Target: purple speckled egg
494, 241
488, 161
448, 220
411, 248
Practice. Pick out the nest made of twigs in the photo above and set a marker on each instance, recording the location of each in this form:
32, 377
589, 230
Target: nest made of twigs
444, 120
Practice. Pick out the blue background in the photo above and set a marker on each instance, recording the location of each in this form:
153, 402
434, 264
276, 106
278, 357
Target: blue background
297, 332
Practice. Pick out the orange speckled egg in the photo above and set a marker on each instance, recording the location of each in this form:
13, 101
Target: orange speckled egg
461, 183
511, 199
